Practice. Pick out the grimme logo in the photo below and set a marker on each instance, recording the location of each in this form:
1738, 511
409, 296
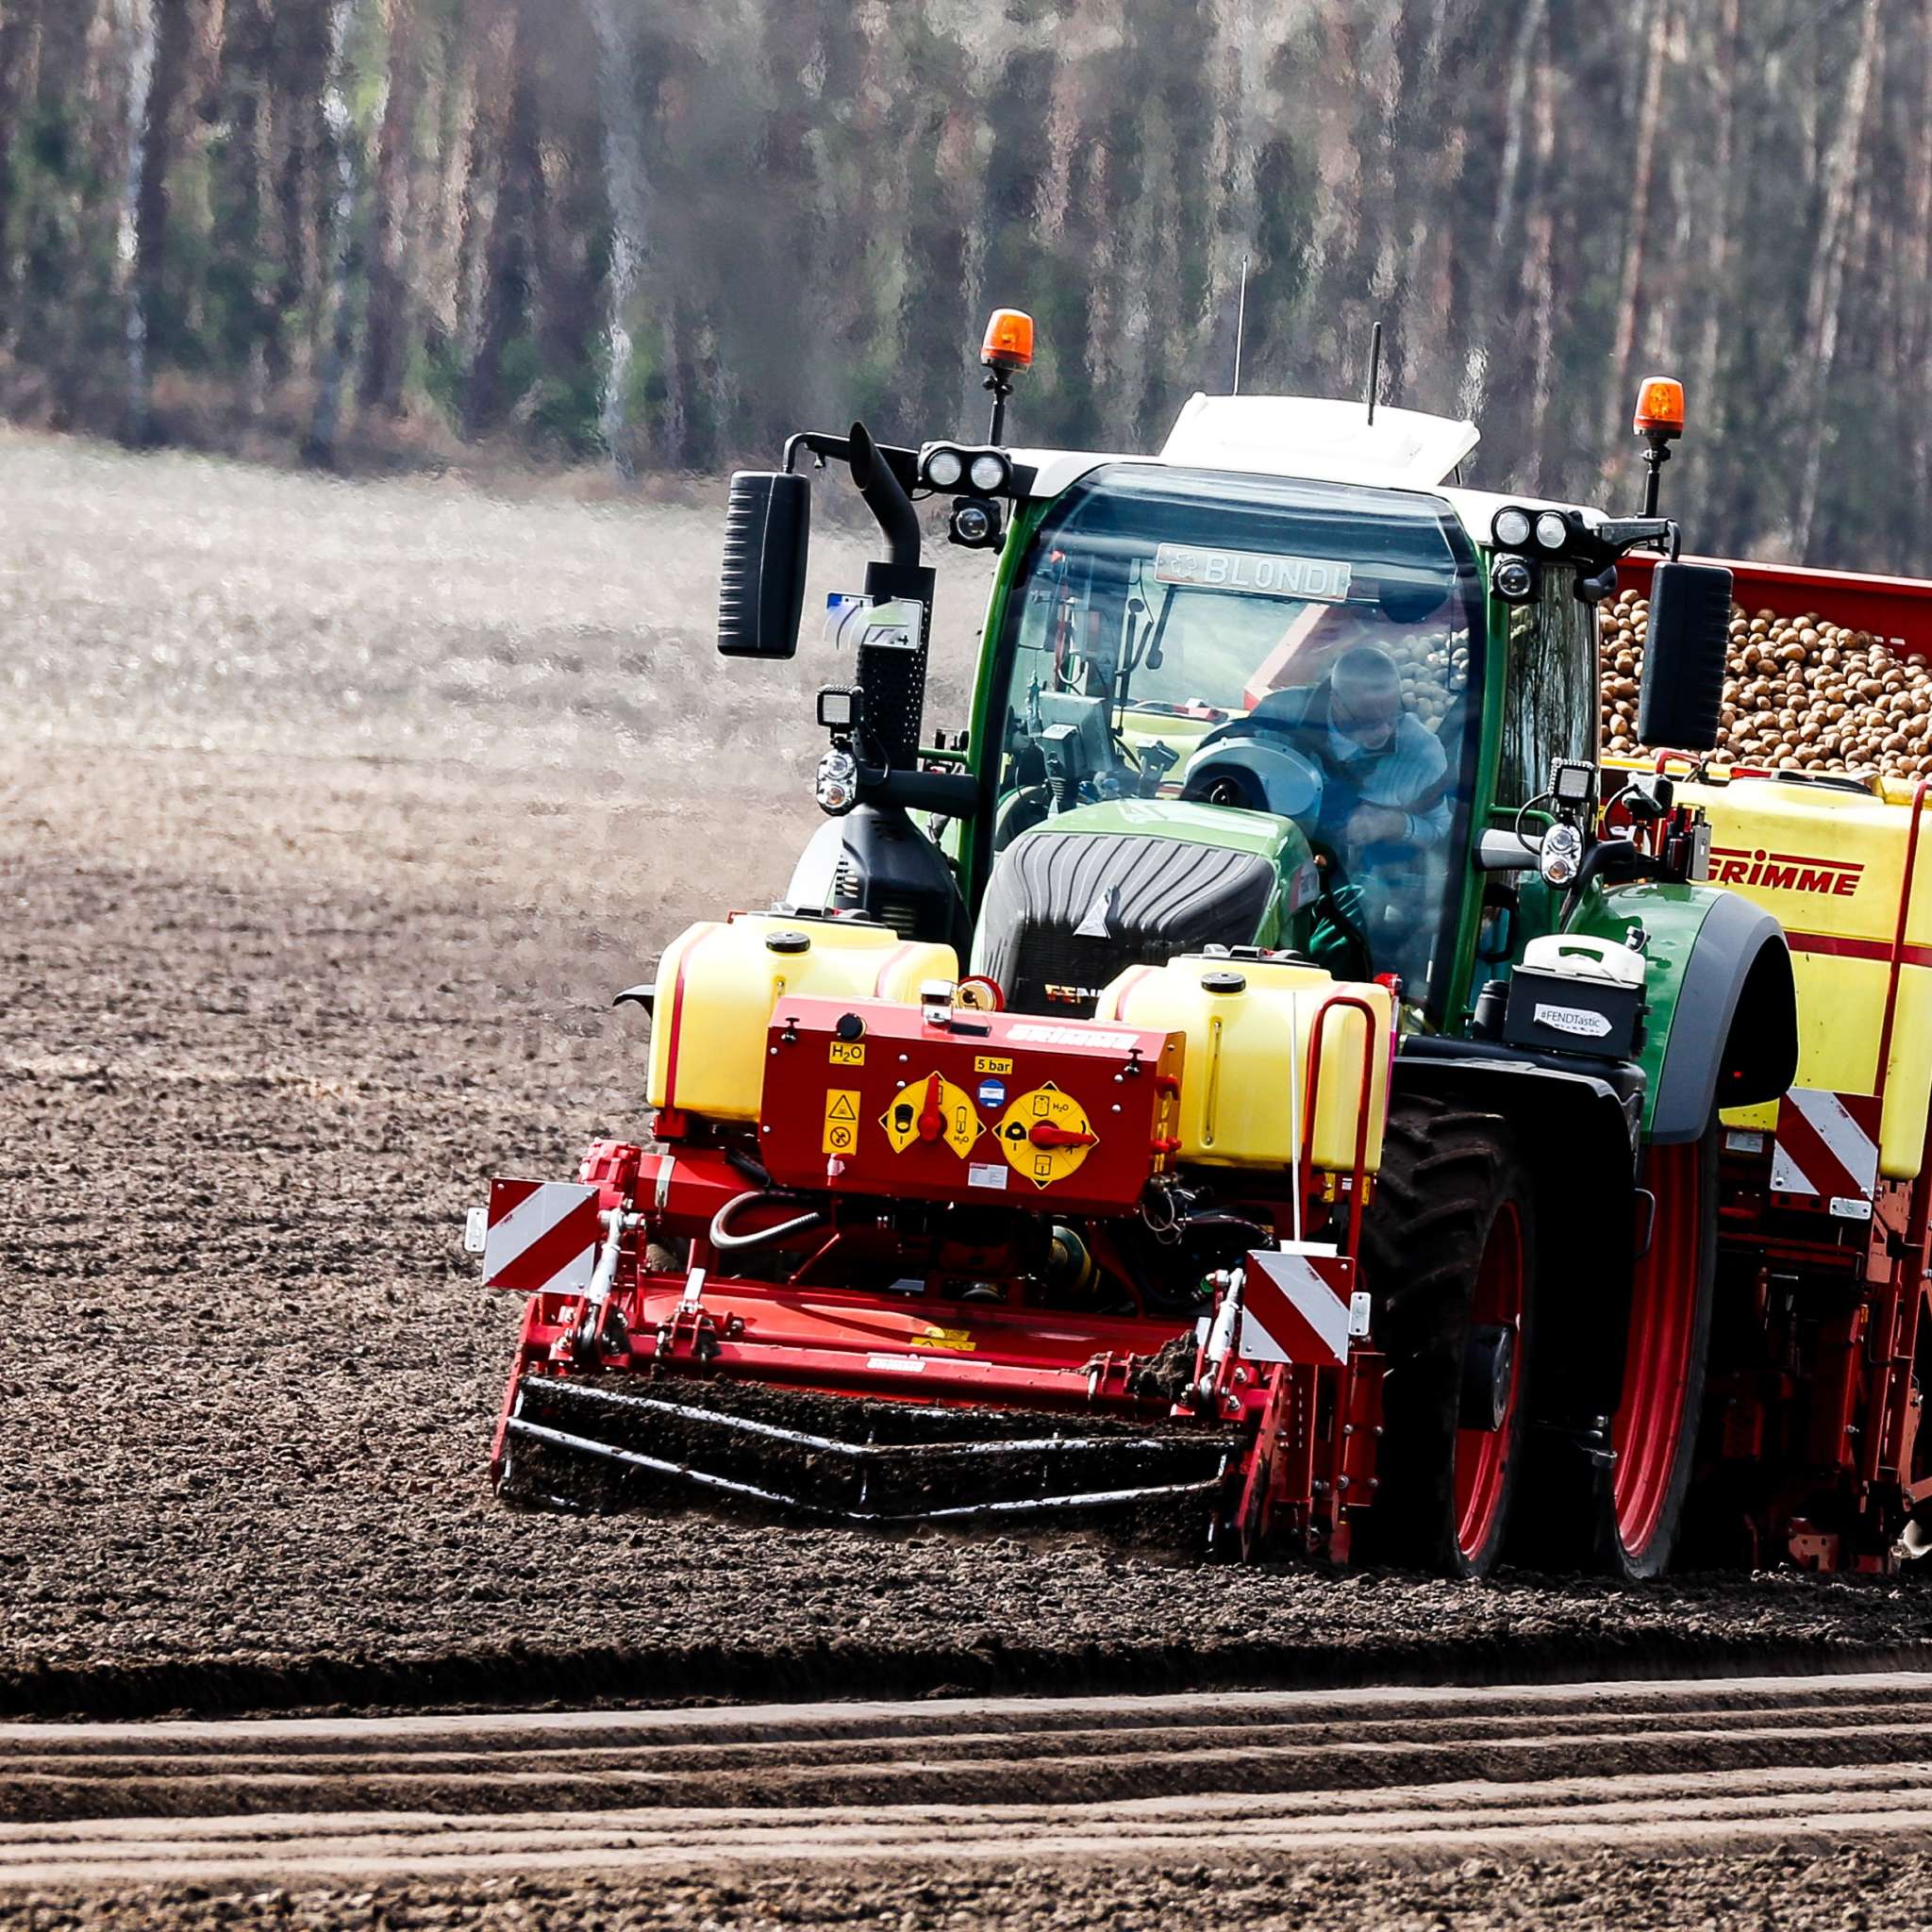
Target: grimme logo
1786, 872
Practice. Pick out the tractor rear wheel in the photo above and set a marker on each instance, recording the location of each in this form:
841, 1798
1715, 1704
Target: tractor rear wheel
1449, 1258
1654, 1432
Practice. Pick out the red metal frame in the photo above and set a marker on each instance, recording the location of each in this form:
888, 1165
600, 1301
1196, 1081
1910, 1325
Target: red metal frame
1817, 1435
1812, 1424
1891, 608
1302, 1434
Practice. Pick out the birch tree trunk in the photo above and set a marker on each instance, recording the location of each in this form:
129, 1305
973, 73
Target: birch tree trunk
1823, 317
391, 221
140, 26
1642, 177
325, 422
1917, 347
626, 196
1717, 250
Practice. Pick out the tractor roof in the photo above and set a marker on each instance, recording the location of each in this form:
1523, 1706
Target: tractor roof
1333, 441
1321, 439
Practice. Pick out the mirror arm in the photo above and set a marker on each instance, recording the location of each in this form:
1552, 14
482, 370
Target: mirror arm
885, 496
823, 448
1620, 534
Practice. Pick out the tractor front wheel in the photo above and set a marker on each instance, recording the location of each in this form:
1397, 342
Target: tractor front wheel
1449, 1259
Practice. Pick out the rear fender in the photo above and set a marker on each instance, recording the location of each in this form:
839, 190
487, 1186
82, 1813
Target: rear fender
1722, 1023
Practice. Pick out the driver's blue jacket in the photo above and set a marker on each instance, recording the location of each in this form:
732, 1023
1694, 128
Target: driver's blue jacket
1409, 774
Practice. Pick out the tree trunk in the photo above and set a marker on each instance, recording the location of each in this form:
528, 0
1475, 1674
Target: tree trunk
324, 420
508, 253
385, 349
1917, 345
1828, 282
1637, 236
18, 26
142, 28
1541, 278
626, 195
170, 90
300, 77
1516, 121
1718, 249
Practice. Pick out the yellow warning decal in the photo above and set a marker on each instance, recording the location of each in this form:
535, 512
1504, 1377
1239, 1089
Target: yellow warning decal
932, 1109
959, 1340
841, 1119
848, 1053
1045, 1135
991, 1063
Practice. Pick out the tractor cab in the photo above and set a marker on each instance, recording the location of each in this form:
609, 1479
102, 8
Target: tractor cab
1228, 710
1269, 689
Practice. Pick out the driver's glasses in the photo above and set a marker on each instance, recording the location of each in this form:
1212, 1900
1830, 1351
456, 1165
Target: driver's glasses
1368, 717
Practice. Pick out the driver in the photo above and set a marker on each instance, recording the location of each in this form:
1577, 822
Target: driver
1387, 775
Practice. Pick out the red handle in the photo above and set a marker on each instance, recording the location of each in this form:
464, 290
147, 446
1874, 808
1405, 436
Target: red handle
1045, 1134
932, 1123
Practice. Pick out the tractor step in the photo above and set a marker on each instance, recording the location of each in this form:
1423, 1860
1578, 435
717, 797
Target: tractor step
848, 1459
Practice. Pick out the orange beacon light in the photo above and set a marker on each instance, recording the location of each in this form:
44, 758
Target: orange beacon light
1658, 418
1660, 407
1007, 350
1008, 340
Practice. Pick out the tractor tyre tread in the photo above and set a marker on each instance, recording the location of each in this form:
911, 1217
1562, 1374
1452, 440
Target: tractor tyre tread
1446, 1172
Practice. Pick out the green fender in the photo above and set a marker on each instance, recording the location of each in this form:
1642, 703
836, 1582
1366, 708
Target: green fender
1722, 1028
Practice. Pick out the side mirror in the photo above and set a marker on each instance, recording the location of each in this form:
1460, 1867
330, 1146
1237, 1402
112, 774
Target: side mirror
1684, 656
761, 588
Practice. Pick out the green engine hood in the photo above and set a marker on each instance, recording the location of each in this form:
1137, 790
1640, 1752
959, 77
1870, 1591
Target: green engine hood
1215, 828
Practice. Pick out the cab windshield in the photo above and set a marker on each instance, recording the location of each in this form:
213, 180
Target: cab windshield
1297, 648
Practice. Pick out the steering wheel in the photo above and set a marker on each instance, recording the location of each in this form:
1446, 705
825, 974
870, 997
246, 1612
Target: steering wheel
1020, 813
1261, 774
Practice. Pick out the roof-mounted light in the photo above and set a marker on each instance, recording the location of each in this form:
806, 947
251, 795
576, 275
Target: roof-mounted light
1511, 527
1008, 340
1659, 407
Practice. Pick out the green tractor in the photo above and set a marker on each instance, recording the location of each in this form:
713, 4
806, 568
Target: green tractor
1282, 706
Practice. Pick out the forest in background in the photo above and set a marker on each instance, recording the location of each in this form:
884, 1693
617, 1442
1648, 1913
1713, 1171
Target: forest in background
661, 234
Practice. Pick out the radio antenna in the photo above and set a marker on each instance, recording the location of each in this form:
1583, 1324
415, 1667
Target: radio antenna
1374, 368
1240, 324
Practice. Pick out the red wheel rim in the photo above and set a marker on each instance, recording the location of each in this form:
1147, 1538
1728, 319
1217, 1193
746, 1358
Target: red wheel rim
1650, 1426
1482, 1456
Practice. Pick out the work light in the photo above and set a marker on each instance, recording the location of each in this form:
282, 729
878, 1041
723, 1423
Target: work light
988, 472
837, 785
1513, 581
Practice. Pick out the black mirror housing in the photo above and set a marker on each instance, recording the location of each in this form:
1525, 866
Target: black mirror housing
1684, 657
761, 587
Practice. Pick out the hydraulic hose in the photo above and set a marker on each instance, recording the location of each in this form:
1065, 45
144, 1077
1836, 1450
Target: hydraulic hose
883, 496
723, 1239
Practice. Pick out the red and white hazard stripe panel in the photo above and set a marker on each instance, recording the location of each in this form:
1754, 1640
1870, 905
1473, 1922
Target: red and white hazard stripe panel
1827, 1147
540, 1236
1300, 1309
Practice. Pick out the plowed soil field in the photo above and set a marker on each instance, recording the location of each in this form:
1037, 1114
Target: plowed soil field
1661, 1806
329, 819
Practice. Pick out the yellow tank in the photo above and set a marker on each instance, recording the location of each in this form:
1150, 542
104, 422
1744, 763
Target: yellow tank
720, 979
1830, 864
1247, 1054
